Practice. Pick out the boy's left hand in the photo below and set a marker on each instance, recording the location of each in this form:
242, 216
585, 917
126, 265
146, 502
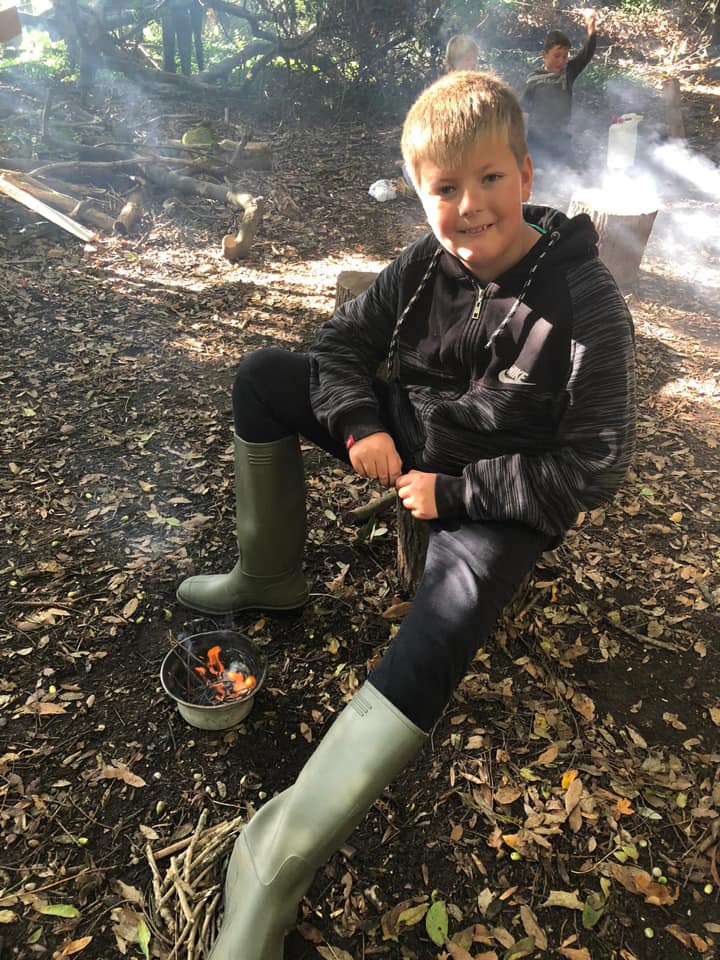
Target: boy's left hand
417, 492
590, 20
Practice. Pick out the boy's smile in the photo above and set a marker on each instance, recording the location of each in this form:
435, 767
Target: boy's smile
474, 206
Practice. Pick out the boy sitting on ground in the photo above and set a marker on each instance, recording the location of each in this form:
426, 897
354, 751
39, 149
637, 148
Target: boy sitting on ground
547, 100
506, 409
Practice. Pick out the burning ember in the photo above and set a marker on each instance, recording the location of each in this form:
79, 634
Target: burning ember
225, 683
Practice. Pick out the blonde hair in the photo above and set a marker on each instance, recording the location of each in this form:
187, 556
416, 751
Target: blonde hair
457, 47
454, 113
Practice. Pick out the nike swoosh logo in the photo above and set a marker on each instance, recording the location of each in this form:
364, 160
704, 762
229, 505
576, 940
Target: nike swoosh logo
519, 380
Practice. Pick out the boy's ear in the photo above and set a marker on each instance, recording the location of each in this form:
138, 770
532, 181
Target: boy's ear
526, 177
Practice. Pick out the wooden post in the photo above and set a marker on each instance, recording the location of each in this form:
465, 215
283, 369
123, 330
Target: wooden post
672, 96
622, 236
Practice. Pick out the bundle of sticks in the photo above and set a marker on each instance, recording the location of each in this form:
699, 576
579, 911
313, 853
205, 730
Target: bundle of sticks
186, 899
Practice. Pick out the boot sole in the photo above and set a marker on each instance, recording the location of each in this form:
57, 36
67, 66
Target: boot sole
241, 608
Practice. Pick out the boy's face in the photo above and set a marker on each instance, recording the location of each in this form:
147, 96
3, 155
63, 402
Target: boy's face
474, 207
555, 59
466, 61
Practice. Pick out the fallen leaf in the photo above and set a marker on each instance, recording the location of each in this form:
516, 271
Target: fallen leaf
59, 910
436, 923
636, 880
584, 706
523, 948
333, 953
121, 772
549, 756
143, 938
568, 777
397, 611
687, 938
572, 797
413, 915
75, 946
532, 927
43, 709
563, 898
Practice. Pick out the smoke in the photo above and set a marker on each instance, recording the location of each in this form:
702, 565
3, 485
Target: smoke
670, 177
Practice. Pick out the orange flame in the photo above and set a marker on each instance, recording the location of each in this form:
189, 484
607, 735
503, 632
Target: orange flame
226, 684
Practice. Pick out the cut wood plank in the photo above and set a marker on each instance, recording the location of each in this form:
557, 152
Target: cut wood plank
37, 206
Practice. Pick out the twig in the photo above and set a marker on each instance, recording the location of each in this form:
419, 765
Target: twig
649, 641
374, 506
173, 848
187, 864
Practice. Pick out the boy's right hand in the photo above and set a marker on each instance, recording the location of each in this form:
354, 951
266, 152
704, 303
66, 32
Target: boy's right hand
376, 457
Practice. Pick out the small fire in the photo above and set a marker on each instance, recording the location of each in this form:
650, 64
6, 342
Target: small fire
226, 683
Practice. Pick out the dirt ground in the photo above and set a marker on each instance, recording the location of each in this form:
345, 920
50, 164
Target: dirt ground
568, 802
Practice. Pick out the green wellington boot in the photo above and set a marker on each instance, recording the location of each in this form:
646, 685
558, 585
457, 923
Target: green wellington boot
276, 855
270, 524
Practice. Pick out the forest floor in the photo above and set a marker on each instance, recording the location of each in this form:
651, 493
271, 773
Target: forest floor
568, 802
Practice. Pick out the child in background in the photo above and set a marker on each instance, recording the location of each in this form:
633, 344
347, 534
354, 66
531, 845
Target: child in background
507, 408
461, 53
547, 99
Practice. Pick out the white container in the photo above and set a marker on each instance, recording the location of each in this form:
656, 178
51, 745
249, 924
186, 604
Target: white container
383, 190
622, 141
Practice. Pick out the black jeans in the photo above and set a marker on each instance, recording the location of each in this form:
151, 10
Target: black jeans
471, 572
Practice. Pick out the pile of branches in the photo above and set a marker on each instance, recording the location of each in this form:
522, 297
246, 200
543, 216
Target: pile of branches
73, 192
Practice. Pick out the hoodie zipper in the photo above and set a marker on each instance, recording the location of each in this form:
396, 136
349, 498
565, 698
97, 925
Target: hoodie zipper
479, 302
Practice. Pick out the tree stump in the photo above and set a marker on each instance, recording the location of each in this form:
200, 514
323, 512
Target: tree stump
623, 234
412, 535
351, 283
673, 109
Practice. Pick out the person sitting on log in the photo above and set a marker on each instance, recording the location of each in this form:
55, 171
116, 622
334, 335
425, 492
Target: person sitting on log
547, 100
182, 20
506, 409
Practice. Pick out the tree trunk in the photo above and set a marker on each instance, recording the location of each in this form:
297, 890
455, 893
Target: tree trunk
622, 237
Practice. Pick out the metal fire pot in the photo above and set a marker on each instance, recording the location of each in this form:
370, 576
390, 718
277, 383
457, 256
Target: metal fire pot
181, 682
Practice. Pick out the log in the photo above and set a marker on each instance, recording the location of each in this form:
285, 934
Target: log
235, 248
83, 210
130, 215
412, 542
623, 234
672, 95
351, 283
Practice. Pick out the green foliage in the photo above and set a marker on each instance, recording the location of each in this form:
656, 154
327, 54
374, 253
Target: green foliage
639, 7
597, 76
35, 56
